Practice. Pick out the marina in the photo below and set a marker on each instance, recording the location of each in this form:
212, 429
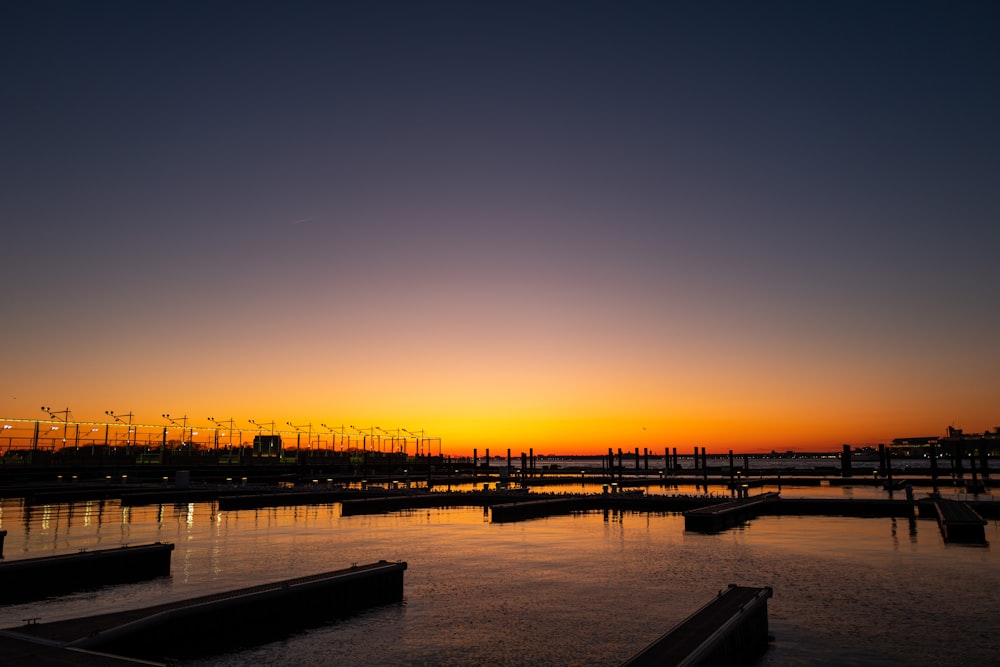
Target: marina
486, 592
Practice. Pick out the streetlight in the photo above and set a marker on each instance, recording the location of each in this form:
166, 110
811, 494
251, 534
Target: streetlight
128, 441
10, 438
333, 443
65, 418
393, 437
298, 436
183, 425
370, 434
221, 424
418, 435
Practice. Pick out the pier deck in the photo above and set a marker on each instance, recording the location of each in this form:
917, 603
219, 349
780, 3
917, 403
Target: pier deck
37, 578
239, 617
729, 630
714, 518
959, 522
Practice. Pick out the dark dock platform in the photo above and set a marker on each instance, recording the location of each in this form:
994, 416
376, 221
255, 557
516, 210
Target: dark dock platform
37, 578
959, 522
212, 623
718, 517
398, 503
729, 630
530, 509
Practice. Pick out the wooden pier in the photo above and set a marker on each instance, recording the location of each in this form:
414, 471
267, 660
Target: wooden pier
209, 624
716, 518
729, 630
959, 522
37, 578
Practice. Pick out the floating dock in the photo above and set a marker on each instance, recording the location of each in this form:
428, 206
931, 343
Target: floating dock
532, 509
37, 578
729, 630
716, 518
213, 623
959, 522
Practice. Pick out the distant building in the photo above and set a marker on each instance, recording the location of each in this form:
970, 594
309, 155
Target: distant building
267, 445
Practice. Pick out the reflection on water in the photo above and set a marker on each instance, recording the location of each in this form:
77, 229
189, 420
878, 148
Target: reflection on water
586, 589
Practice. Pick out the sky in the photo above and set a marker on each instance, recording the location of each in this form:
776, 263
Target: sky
564, 226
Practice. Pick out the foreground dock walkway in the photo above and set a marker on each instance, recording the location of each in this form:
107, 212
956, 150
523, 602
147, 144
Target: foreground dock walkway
730, 630
207, 623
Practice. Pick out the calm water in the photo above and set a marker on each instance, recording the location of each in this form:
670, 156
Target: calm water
575, 590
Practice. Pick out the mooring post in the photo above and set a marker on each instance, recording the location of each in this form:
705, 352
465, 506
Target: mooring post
934, 468
984, 462
881, 460
888, 470
524, 467
645, 458
677, 463
845, 462
732, 471
531, 461
621, 464
704, 467
695, 459
475, 461
636, 458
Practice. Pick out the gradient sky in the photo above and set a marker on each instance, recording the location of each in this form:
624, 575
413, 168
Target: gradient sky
567, 226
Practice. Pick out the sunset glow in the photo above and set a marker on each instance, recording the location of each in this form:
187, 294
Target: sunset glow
643, 227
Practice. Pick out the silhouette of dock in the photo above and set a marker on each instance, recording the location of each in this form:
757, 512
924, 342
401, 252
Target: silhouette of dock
732, 629
959, 522
210, 623
715, 518
36, 578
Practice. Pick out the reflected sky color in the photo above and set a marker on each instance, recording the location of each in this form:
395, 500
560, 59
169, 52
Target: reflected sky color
562, 225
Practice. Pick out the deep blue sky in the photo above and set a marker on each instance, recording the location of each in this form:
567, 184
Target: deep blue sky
711, 217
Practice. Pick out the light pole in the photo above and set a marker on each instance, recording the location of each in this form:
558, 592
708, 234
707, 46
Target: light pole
65, 418
183, 425
333, 443
128, 437
369, 434
221, 424
393, 437
298, 436
10, 437
418, 435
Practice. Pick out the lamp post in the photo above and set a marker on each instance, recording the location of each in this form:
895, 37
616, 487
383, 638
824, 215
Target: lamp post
370, 434
418, 435
393, 437
10, 437
65, 418
221, 424
128, 437
333, 444
298, 436
183, 426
